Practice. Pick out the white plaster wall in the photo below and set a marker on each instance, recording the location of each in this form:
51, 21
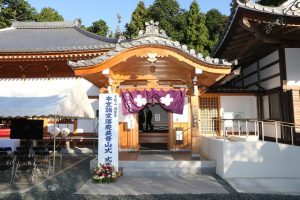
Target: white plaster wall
250, 68
292, 57
253, 87
241, 104
245, 106
250, 79
269, 59
272, 83
213, 149
274, 69
252, 159
261, 159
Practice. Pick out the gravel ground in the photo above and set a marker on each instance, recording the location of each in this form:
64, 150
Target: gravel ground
71, 180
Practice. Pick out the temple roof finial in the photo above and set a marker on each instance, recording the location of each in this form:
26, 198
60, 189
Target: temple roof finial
152, 29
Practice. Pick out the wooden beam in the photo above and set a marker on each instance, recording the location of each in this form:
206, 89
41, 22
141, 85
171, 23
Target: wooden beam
251, 27
247, 47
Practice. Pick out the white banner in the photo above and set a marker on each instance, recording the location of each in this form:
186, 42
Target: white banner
108, 138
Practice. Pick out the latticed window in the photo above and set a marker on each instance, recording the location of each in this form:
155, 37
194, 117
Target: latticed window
209, 115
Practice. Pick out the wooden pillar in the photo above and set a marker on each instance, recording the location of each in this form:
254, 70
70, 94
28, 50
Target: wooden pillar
195, 126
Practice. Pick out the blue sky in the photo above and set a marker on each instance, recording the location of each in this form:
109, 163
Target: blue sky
92, 10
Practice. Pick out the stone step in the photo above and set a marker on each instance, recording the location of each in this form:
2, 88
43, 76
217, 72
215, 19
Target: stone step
162, 168
168, 164
168, 172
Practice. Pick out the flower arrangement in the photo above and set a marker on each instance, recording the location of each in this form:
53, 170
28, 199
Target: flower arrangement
105, 174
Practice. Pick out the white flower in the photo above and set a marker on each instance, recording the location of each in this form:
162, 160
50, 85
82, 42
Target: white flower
140, 101
167, 100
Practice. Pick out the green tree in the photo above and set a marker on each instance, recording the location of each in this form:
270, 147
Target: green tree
99, 27
215, 23
137, 22
196, 32
19, 10
271, 2
49, 15
170, 17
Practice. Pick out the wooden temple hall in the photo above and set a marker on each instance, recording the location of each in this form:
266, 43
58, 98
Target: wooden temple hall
169, 94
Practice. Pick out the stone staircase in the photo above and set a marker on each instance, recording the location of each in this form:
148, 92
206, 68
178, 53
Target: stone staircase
166, 168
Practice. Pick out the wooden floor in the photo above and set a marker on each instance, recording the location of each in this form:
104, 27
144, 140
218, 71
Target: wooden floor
153, 137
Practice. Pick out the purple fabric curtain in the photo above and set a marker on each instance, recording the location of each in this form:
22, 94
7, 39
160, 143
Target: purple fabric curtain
135, 101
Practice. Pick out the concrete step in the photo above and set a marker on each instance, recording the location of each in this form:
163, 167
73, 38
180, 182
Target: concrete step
168, 164
166, 168
168, 172
162, 168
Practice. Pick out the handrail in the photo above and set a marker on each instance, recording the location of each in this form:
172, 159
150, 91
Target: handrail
260, 127
256, 119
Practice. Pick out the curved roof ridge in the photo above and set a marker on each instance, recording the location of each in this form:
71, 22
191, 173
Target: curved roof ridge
44, 25
151, 36
148, 40
289, 8
95, 36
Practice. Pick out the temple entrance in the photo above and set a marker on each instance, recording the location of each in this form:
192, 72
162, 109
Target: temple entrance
153, 122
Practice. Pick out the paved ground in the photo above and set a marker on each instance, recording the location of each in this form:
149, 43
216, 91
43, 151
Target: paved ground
193, 184
266, 185
74, 178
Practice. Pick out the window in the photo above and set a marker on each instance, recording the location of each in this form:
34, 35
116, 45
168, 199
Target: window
209, 115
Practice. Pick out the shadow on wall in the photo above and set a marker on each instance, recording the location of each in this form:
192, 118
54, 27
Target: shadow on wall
261, 159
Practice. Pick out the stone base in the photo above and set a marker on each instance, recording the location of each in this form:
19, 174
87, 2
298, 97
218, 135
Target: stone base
195, 155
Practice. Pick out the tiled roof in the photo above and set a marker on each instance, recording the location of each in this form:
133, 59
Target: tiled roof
50, 37
152, 36
290, 8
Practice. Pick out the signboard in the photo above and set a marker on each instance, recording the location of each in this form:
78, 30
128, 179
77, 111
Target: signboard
108, 139
179, 135
228, 116
194, 116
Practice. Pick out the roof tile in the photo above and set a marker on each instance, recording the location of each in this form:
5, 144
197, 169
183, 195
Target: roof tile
50, 36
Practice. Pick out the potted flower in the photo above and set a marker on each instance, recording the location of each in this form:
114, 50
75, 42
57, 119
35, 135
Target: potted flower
105, 173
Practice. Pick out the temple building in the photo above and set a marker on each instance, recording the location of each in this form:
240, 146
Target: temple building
152, 61
265, 42
172, 97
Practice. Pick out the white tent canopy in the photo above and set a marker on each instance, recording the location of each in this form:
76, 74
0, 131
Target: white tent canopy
63, 97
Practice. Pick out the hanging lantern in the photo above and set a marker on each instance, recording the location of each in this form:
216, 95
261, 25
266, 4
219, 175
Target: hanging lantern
55, 132
65, 132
